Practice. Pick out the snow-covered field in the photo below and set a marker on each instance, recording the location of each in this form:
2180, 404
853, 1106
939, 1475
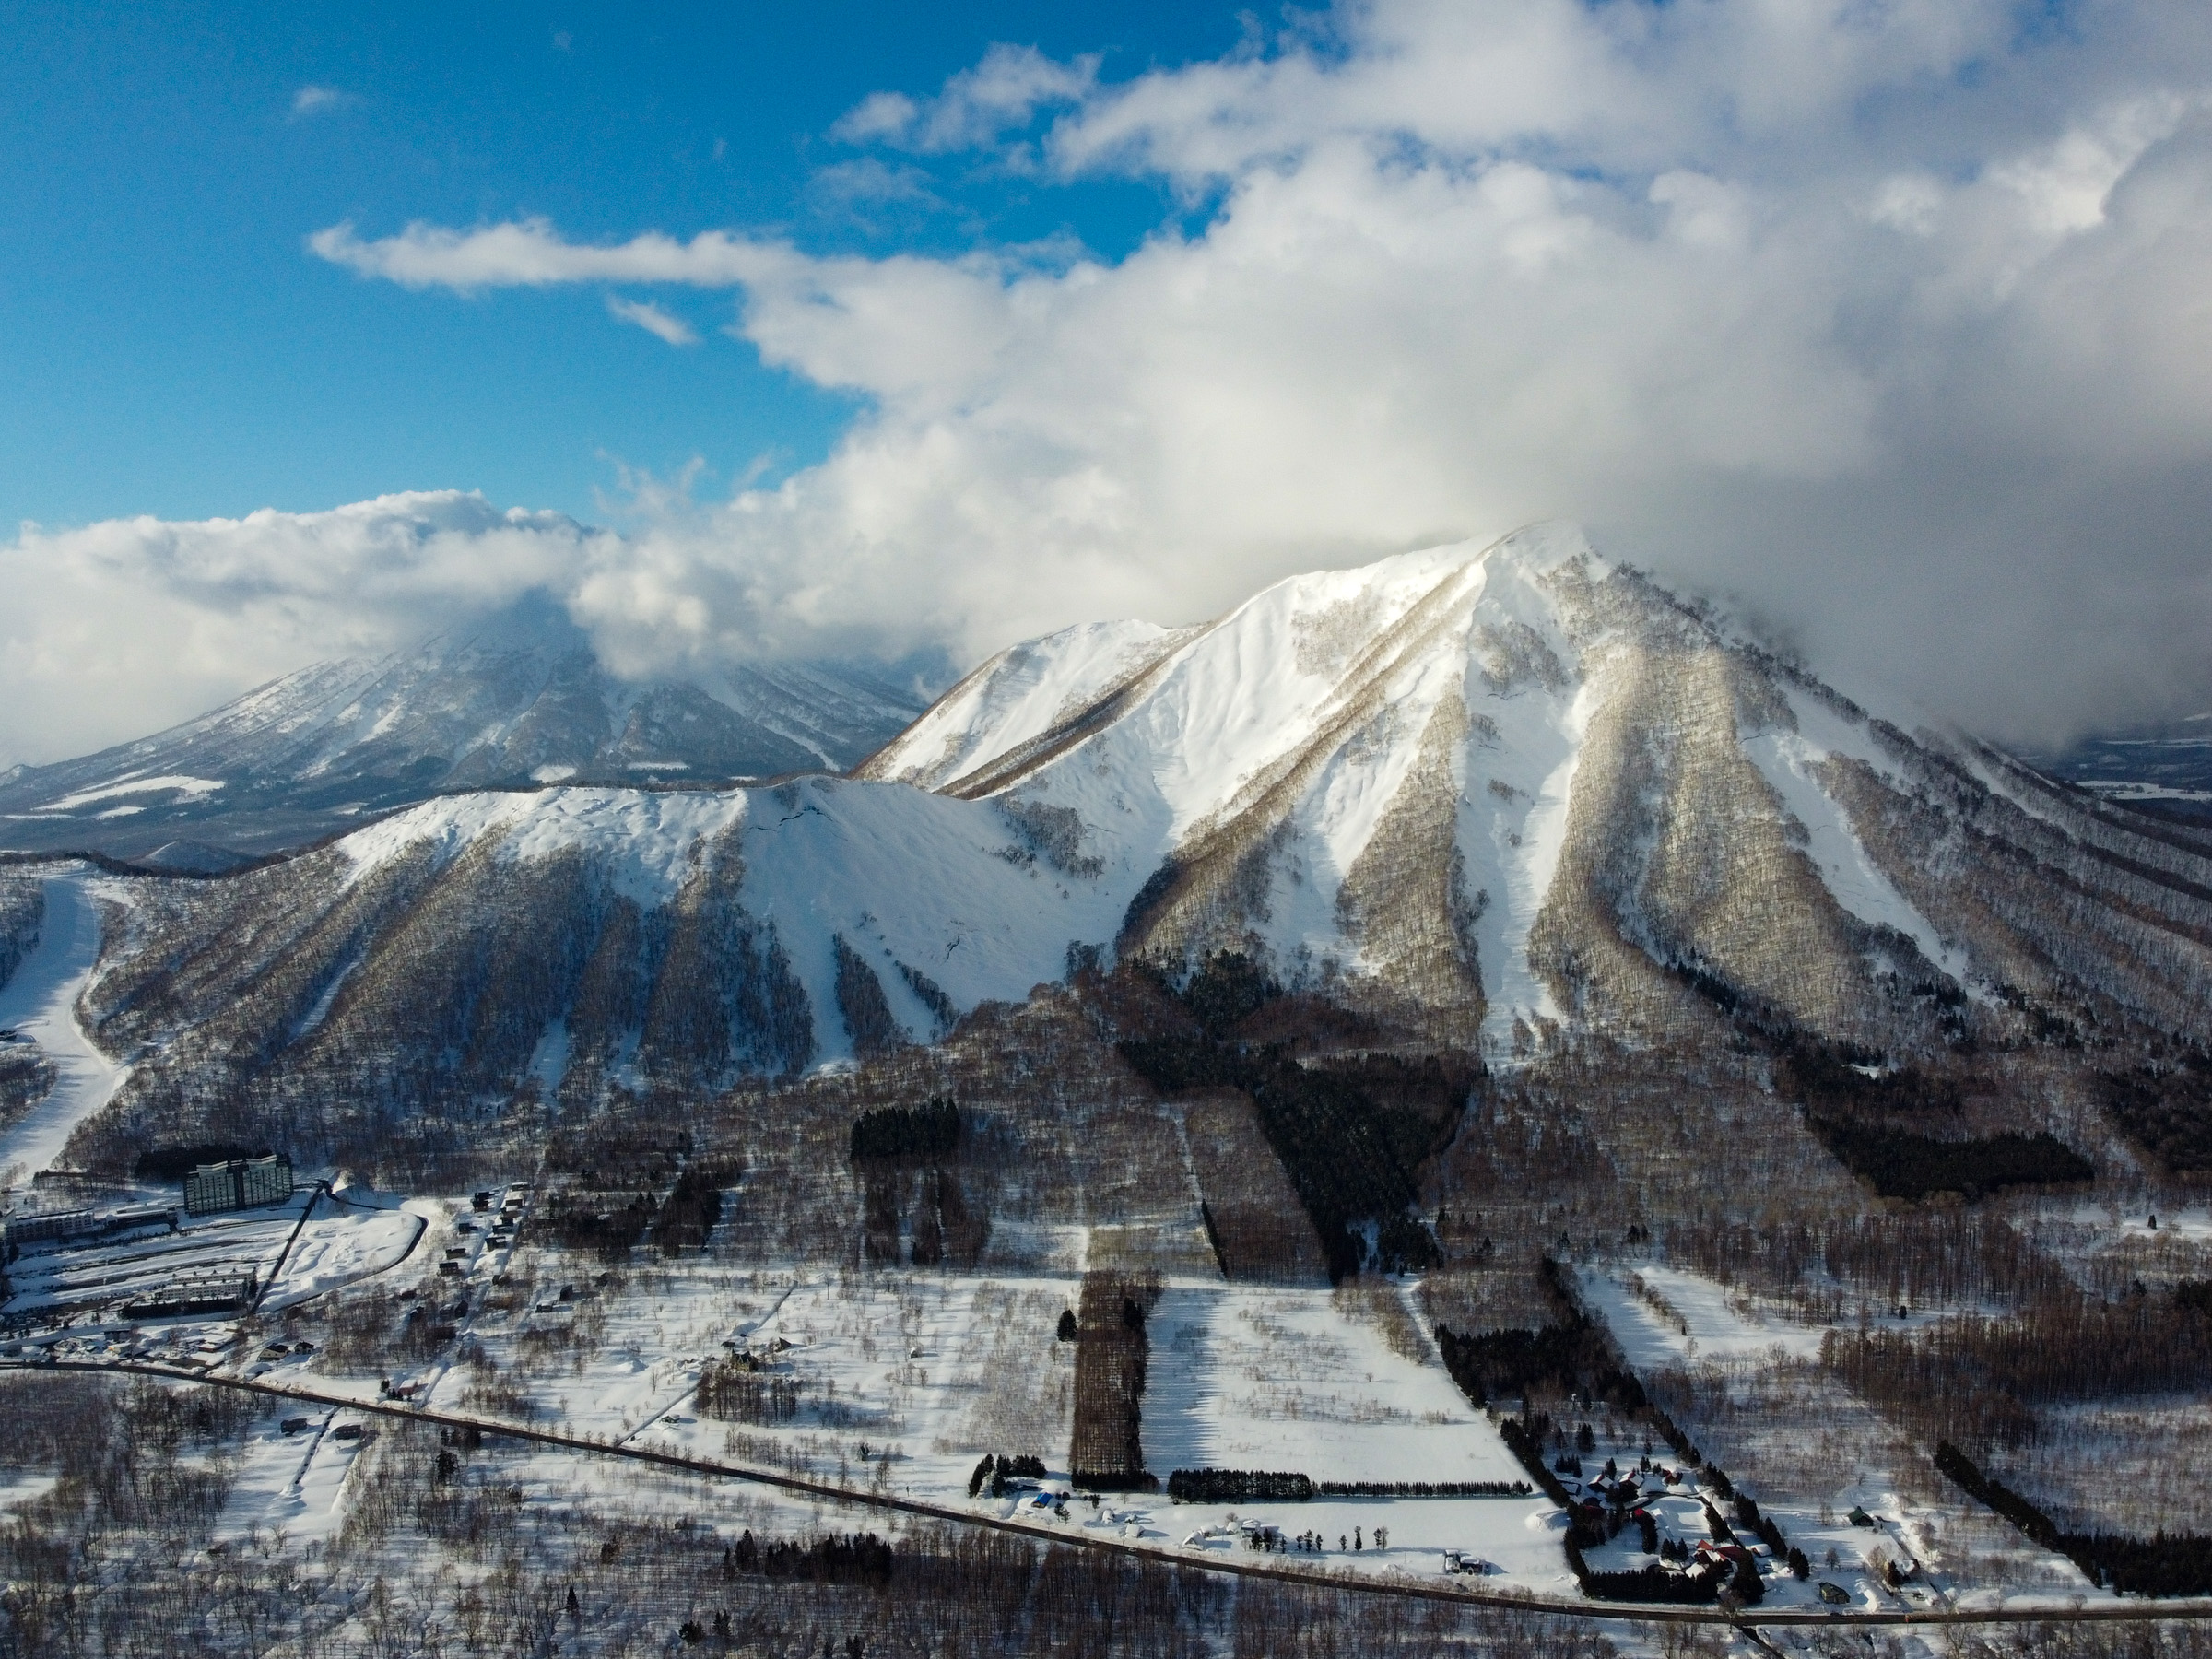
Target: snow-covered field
1252, 1377
901, 1383
344, 1241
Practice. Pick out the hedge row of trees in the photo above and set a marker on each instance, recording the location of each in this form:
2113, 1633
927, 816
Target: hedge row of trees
1572, 1357
687, 1216
1524, 1437
1239, 1486
1696, 1588
946, 1226
848, 1559
2169, 1564
1547, 1362
1111, 1351
997, 1469
1349, 1130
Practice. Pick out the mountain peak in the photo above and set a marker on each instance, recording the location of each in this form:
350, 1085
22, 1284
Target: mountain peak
535, 623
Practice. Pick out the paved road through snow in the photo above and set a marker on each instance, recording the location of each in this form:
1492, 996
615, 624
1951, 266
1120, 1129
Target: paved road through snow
40, 1003
2142, 1611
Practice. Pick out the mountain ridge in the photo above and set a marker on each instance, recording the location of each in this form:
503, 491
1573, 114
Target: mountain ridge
1506, 798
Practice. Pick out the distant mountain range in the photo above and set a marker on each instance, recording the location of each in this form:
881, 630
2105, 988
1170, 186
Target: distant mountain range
520, 698
2165, 770
1499, 799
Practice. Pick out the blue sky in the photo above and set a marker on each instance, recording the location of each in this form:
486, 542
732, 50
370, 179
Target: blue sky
855, 329
171, 348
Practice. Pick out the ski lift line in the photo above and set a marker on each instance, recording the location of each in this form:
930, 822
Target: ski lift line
2193, 1610
319, 1190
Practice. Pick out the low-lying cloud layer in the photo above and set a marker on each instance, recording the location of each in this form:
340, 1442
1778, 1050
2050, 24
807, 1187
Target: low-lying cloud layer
1889, 321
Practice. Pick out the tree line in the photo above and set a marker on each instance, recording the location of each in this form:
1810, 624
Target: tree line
2166, 1110
2169, 1564
1900, 1164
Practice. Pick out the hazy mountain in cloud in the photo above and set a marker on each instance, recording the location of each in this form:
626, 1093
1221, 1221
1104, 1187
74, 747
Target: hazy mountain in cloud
519, 699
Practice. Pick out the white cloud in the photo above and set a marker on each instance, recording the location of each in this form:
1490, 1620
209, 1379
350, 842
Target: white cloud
1887, 318
880, 115
977, 107
322, 100
868, 179
530, 253
652, 320
1908, 202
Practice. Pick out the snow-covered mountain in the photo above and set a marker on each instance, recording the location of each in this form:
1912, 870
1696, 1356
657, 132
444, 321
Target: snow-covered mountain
1484, 795
518, 699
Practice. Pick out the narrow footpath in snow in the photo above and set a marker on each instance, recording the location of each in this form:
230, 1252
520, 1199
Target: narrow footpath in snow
40, 1003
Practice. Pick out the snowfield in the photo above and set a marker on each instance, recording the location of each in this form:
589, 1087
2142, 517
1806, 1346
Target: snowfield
1789, 761
649, 840
901, 1383
40, 1003
342, 1244
186, 787
818, 860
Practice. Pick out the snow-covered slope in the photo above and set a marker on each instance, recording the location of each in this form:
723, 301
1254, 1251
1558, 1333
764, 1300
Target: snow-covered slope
1479, 793
38, 1004
517, 699
1018, 697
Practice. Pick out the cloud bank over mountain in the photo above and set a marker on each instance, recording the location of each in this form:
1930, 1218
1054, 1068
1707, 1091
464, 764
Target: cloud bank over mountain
1886, 320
